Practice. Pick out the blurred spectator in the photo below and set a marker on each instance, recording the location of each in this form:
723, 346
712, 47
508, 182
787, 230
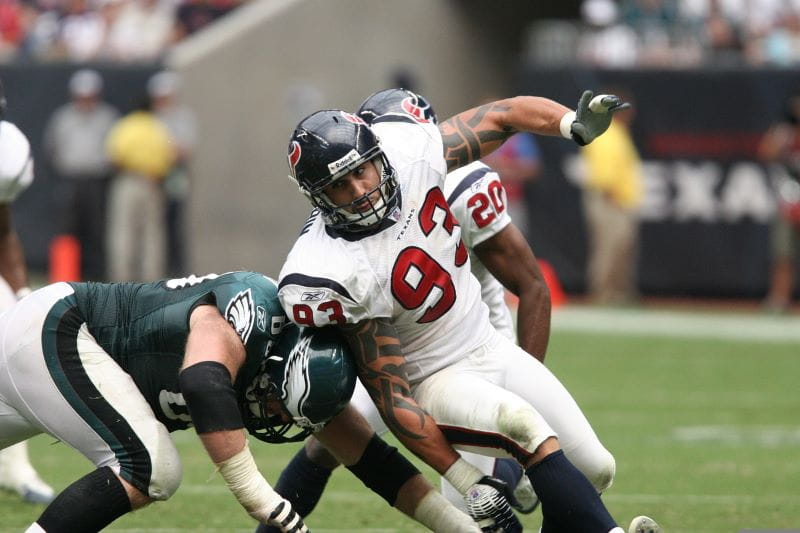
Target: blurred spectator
141, 30
654, 21
612, 195
688, 33
141, 148
518, 163
194, 15
781, 145
11, 27
83, 31
42, 33
164, 91
74, 145
607, 42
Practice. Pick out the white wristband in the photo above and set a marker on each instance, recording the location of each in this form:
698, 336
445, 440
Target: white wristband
566, 124
438, 514
462, 475
23, 292
248, 485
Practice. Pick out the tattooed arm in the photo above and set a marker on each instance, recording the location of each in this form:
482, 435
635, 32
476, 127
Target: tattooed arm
479, 131
381, 367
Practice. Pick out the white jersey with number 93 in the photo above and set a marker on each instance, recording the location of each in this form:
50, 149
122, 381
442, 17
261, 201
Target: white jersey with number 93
416, 271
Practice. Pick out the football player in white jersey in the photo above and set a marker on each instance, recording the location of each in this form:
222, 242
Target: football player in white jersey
381, 257
477, 199
16, 174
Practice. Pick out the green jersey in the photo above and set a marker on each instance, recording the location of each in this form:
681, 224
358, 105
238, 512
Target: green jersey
144, 327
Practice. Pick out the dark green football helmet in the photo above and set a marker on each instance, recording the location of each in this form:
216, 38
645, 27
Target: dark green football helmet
312, 373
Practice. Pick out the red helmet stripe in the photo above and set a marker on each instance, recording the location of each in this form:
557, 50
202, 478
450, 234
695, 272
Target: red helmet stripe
353, 118
294, 154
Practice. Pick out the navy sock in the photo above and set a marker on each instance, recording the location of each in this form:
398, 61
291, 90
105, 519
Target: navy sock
508, 470
89, 504
569, 501
302, 483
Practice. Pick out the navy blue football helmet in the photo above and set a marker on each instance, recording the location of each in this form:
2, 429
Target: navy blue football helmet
396, 105
312, 373
328, 145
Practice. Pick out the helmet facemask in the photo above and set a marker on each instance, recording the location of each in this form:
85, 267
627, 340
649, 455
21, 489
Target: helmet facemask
259, 421
310, 374
381, 200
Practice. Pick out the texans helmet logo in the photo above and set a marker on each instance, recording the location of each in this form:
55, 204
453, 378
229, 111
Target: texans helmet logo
410, 106
294, 154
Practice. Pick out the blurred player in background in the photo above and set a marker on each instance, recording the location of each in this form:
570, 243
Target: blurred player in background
781, 145
112, 369
612, 196
477, 199
16, 174
381, 257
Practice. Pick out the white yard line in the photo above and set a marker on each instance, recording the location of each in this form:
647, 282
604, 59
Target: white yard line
688, 324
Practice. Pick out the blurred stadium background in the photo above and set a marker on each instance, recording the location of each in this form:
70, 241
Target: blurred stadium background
700, 407
253, 73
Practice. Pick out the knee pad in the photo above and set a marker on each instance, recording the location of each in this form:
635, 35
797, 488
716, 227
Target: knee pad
596, 463
383, 469
603, 475
523, 424
166, 471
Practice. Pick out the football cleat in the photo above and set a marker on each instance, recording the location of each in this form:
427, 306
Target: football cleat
527, 500
644, 524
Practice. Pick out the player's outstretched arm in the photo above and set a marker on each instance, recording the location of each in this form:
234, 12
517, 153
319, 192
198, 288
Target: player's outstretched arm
510, 259
214, 354
381, 368
477, 132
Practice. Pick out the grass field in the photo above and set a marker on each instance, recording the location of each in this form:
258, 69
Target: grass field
702, 412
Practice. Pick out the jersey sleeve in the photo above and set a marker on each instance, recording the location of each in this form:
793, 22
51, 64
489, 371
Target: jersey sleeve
16, 163
478, 200
406, 143
249, 302
324, 283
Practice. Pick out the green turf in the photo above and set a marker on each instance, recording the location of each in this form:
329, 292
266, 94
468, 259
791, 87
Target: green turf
706, 435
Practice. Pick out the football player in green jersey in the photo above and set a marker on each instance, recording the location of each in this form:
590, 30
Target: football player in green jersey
111, 369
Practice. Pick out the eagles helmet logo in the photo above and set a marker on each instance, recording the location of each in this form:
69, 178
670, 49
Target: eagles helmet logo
296, 385
240, 314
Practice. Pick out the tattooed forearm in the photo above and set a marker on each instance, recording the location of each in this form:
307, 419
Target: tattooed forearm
381, 365
364, 340
468, 137
391, 404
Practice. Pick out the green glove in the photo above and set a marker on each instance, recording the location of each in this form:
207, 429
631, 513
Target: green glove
592, 117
